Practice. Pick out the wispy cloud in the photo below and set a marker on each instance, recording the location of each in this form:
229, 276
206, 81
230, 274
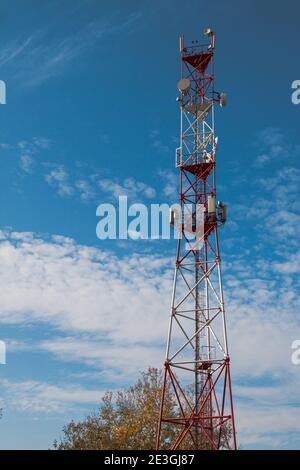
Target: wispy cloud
13, 50
59, 179
46, 54
88, 187
273, 144
85, 189
26, 163
157, 142
105, 139
27, 151
128, 187
5, 146
42, 397
169, 184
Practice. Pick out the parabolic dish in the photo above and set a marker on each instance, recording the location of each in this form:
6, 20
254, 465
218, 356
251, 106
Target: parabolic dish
184, 85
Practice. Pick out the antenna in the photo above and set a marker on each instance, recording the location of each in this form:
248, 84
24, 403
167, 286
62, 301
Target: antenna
197, 346
223, 99
184, 85
181, 43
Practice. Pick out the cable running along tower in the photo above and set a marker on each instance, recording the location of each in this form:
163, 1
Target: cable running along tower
196, 371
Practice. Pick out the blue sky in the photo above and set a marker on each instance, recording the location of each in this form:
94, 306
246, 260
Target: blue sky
90, 114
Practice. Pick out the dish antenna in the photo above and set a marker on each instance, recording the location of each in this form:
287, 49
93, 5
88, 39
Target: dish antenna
184, 85
223, 99
208, 31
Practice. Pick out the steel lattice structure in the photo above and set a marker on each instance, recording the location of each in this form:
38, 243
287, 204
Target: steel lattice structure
196, 371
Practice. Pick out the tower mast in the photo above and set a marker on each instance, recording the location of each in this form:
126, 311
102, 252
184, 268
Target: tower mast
196, 369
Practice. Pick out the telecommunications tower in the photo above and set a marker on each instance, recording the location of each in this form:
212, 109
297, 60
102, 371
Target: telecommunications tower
196, 409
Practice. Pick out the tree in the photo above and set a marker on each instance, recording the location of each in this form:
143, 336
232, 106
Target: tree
126, 420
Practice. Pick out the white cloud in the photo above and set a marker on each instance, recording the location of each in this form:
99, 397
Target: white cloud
274, 145
59, 179
128, 187
274, 211
85, 190
27, 150
41, 142
290, 266
111, 313
157, 143
35, 396
118, 362
261, 160
82, 289
86, 187
170, 184
5, 146
26, 163
34, 145
268, 426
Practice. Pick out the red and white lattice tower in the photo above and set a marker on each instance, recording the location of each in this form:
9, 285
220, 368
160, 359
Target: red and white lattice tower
196, 370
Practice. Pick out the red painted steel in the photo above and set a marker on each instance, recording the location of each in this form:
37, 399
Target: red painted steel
202, 418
